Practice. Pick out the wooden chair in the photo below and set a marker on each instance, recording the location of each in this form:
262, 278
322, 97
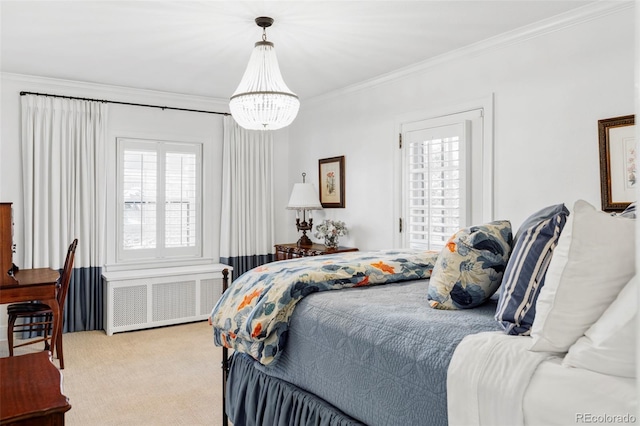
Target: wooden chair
37, 316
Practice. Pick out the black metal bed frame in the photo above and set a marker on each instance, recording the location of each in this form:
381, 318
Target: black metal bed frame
225, 358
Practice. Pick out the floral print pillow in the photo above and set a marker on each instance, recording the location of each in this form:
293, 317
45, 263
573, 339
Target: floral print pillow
469, 268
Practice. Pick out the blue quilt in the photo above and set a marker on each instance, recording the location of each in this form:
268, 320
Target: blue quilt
253, 314
379, 355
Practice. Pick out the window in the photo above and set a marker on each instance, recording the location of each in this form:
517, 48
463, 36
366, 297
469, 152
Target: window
438, 182
436, 185
159, 199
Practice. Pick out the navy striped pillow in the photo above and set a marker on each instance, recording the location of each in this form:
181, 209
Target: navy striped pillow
527, 267
630, 211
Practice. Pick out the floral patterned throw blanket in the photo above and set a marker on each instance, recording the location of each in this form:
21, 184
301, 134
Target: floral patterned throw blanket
252, 316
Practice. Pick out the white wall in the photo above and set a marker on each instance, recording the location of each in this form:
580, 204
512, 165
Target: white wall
550, 88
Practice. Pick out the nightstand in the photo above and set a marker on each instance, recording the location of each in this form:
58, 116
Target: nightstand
291, 251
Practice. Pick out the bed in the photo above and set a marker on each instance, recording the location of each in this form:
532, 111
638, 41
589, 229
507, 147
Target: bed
378, 372
380, 355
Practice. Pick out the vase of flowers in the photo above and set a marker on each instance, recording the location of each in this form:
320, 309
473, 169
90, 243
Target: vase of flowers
331, 230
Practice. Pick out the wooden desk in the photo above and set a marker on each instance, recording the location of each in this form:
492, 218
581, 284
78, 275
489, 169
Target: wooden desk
36, 284
31, 391
291, 251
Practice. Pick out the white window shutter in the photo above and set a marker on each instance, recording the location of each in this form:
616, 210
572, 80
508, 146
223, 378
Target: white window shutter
181, 227
139, 186
159, 199
436, 187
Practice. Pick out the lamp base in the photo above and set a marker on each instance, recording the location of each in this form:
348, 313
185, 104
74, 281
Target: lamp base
304, 240
304, 226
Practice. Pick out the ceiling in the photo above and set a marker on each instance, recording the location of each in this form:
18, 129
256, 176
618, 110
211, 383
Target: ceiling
202, 47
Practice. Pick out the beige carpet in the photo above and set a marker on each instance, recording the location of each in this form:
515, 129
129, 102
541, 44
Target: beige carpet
163, 376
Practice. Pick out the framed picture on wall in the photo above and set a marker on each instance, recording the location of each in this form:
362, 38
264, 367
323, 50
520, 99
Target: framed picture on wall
331, 181
618, 162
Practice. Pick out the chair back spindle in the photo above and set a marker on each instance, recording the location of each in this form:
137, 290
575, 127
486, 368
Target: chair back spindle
67, 270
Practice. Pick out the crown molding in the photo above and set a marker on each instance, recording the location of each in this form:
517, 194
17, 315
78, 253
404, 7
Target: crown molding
120, 93
598, 9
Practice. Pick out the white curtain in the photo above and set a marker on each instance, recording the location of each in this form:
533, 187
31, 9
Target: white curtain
64, 184
247, 219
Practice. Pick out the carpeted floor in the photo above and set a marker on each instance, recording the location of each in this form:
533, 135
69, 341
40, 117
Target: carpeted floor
163, 376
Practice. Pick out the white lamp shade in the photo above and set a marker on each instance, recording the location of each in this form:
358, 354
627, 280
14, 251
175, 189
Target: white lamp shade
304, 197
262, 100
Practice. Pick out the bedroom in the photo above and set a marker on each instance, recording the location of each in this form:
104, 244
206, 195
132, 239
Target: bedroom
549, 84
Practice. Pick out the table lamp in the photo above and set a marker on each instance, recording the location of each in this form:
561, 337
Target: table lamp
304, 197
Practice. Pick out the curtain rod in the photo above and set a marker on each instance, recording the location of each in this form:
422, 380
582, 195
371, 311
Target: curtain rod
123, 103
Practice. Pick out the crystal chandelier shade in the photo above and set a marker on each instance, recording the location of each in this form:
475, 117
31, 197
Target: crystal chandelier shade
262, 100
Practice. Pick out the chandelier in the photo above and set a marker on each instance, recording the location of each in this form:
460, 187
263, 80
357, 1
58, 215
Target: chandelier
262, 100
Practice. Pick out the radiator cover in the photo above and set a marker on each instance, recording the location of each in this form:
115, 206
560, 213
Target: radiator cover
156, 297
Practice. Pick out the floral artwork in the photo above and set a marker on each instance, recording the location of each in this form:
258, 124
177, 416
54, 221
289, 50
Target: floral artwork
618, 162
331, 178
630, 162
331, 182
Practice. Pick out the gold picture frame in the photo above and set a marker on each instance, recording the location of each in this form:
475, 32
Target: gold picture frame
618, 162
331, 181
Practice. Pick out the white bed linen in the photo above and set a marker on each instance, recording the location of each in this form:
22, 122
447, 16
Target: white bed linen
487, 378
494, 379
560, 395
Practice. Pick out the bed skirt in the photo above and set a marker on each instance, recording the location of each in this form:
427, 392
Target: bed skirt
255, 399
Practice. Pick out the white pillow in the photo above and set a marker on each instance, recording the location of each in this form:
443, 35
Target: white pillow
609, 346
552, 279
594, 259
